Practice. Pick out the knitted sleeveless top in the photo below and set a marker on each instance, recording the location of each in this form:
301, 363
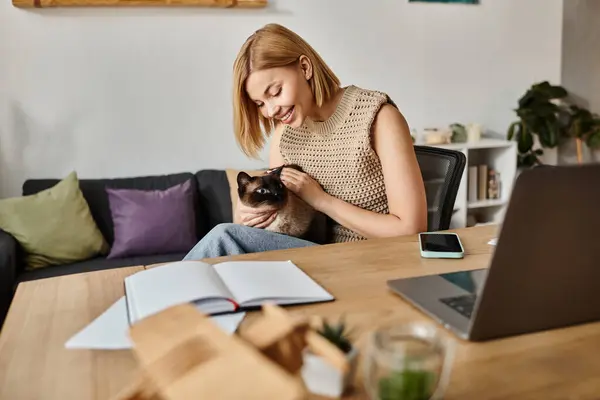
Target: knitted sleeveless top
338, 154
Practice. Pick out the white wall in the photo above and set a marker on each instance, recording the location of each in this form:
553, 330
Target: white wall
121, 92
581, 51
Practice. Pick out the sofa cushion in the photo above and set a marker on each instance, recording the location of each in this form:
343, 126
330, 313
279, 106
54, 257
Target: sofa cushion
213, 198
97, 264
53, 226
94, 191
150, 222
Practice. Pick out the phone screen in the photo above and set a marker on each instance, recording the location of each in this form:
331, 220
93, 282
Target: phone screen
440, 242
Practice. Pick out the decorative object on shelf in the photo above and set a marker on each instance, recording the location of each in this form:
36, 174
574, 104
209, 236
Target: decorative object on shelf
140, 3
474, 131
409, 361
446, 1
183, 354
493, 184
546, 112
459, 133
484, 183
437, 135
322, 378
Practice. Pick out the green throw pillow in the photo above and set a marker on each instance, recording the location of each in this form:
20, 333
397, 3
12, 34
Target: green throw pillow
54, 226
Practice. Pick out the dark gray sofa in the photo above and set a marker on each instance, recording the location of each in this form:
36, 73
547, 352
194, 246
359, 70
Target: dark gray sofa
212, 204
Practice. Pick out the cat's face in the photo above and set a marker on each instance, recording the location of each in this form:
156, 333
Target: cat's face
261, 190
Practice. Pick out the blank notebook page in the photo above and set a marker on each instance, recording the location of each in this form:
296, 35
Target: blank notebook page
264, 280
175, 283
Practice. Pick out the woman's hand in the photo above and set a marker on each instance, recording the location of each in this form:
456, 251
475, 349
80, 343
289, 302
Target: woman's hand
304, 186
258, 217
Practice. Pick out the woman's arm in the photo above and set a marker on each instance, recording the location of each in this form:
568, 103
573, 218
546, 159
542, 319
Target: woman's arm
403, 181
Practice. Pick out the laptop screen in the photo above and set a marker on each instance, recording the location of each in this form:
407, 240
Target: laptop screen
471, 281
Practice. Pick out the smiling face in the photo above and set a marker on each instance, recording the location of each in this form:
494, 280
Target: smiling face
283, 93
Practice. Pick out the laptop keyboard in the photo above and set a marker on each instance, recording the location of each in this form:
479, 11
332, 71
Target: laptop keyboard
463, 304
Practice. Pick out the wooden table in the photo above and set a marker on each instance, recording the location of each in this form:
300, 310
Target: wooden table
557, 364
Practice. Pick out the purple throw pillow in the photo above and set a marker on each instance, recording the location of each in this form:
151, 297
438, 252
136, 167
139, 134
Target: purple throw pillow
148, 222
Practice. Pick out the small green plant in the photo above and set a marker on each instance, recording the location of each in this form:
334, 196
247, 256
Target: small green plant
459, 133
408, 385
337, 334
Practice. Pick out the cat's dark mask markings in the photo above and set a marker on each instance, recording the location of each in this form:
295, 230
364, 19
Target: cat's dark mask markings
294, 216
262, 190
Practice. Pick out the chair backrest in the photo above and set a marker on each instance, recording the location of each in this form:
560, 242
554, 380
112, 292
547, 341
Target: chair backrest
442, 170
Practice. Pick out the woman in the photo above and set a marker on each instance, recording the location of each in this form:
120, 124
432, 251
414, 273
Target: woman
353, 144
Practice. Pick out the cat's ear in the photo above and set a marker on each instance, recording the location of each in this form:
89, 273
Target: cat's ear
294, 166
276, 171
243, 179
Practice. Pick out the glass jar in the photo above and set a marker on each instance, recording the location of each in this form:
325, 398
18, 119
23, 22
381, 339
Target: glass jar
409, 361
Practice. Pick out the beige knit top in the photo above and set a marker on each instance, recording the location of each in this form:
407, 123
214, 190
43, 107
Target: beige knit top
338, 154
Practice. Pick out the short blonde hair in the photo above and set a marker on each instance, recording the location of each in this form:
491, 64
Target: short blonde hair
272, 46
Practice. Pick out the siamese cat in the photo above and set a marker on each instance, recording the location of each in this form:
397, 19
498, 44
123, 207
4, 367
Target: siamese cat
294, 215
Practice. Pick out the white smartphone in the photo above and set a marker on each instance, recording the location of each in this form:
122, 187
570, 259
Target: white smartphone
440, 245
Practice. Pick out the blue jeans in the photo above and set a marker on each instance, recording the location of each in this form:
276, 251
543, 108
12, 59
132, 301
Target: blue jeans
232, 239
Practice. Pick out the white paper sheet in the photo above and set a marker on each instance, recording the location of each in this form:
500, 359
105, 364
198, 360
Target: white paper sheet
109, 330
493, 241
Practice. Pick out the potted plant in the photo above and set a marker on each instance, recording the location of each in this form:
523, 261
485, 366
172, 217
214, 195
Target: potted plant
538, 114
548, 117
583, 126
319, 376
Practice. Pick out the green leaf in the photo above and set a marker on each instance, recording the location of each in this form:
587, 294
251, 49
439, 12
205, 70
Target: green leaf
526, 99
534, 123
556, 92
544, 109
548, 133
593, 140
525, 140
552, 133
532, 159
527, 160
336, 334
549, 91
511, 130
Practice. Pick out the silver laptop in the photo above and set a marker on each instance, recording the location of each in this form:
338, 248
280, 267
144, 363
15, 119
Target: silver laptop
545, 270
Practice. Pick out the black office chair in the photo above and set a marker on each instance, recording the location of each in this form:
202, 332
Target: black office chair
442, 170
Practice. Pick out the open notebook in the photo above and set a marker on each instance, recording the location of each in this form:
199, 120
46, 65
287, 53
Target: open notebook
220, 288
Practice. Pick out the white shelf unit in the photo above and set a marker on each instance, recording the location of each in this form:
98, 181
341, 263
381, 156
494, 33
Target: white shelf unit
501, 155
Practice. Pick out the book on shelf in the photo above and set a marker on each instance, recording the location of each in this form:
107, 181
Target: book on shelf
483, 183
473, 184
225, 287
482, 173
